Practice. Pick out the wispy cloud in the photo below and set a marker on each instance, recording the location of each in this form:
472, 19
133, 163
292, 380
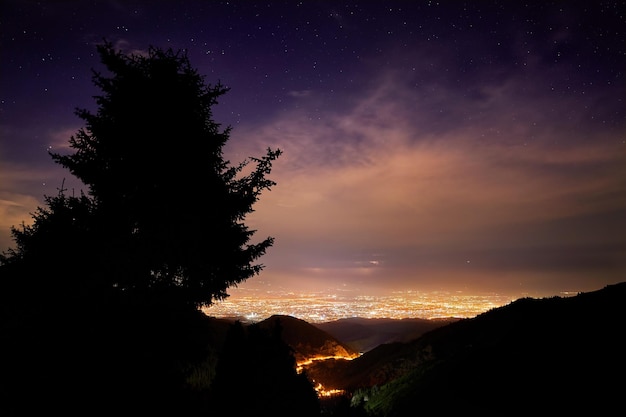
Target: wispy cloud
500, 182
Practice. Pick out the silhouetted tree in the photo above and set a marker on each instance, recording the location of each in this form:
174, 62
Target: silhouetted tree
55, 240
169, 208
100, 296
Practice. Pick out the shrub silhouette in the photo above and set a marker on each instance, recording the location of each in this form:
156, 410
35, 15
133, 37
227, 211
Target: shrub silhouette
257, 371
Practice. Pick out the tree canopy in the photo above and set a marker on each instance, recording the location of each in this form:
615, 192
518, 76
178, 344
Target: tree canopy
164, 212
99, 298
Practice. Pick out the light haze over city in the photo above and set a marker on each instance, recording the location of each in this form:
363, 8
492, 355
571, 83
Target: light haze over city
472, 148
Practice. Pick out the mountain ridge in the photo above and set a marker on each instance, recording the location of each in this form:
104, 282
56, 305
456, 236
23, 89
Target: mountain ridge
555, 354
364, 334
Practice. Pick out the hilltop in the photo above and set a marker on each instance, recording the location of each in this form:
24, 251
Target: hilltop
554, 354
307, 340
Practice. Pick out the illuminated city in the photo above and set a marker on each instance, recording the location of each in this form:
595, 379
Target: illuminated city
254, 304
324, 307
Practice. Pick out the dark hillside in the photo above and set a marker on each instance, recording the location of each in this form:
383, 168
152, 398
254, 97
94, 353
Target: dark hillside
557, 355
307, 340
378, 366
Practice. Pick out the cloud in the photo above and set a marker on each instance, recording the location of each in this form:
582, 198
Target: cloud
299, 93
17, 201
403, 180
22, 190
15, 210
59, 140
501, 183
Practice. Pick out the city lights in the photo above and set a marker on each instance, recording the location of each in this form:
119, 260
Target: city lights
325, 307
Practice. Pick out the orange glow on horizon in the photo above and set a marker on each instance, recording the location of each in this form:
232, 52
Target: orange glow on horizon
325, 307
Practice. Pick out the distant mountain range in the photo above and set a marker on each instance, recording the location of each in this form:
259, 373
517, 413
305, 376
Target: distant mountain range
364, 334
551, 355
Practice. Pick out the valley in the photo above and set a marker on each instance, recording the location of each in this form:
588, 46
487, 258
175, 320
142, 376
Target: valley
518, 353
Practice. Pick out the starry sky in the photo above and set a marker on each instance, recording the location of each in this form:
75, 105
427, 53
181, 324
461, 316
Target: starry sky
471, 146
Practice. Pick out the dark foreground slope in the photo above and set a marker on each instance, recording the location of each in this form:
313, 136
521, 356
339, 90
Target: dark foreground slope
552, 355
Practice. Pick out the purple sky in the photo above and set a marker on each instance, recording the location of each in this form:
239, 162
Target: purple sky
475, 146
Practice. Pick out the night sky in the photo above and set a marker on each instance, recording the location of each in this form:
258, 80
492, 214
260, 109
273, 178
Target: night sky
474, 146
